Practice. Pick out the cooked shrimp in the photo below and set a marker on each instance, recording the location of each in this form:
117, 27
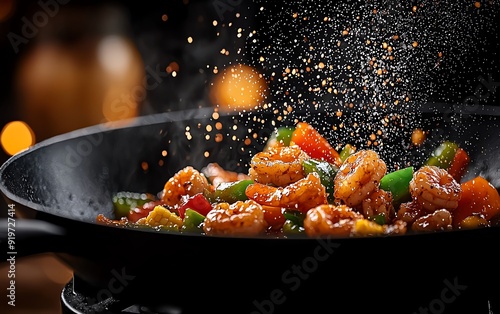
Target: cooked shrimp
358, 176
334, 220
409, 212
278, 166
434, 188
301, 195
436, 221
216, 174
187, 181
378, 203
242, 218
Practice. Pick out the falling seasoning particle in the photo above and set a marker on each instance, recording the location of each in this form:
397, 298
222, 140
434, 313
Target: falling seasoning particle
164, 17
477, 4
190, 39
417, 137
414, 44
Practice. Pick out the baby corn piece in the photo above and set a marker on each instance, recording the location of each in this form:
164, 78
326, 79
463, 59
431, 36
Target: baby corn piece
162, 217
366, 227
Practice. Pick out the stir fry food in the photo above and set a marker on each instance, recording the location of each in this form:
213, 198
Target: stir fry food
299, 185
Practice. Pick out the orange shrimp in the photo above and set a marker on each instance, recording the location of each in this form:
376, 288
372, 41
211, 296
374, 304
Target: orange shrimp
301, 195
358, 176
438, 220
242, 218
278, 166
333, 220
216, 174
187, 181
434, 188
378, 203
409, 212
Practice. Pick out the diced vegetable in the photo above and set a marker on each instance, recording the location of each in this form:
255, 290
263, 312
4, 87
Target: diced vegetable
365, 227
443, 155
231, 192
280, 137
314, 144
294, 223
289, 228
193, 221
347, 151
296, 217
284, 135
398, 183
124, 201
459, 164
479, 197
326, 172
197, 202
379, 219
162, 217
142, 211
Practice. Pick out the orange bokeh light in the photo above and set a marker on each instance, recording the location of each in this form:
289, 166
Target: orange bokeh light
16, 136
239, 87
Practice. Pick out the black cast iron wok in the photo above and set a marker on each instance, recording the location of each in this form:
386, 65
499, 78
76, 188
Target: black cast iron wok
60, 185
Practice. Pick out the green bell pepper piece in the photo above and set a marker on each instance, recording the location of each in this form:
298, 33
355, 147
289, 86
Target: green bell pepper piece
294, 222
347, 151
231, 192
398, 183
282, 134
326, 172
124, 201
443, 155
379, 219
290, 228
193, 221
295, 217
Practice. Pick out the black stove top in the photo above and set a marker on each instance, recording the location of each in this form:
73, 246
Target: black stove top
77, 298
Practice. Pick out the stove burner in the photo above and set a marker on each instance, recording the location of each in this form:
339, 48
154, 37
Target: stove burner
75, 301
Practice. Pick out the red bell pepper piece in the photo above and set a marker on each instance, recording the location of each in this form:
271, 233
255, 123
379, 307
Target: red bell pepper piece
314, 144
459, 164
142, 211
197, 202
